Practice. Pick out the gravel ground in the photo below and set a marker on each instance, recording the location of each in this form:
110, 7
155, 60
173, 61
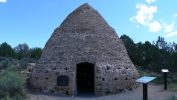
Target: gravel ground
155, 92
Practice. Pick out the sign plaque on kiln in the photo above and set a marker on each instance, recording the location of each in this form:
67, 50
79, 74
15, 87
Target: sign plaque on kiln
62, 80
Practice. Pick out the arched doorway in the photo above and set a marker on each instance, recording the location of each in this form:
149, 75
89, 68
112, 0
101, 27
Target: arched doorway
85, 78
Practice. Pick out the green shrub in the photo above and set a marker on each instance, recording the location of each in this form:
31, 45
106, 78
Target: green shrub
11, 69
11, 84
172, 97
24, 62
5, 62
29, 60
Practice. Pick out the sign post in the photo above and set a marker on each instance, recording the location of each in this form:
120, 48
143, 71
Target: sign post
165, 71
144, 80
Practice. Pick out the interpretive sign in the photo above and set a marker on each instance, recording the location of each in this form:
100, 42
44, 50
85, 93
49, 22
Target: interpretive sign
165, 71
145, 80
62, 80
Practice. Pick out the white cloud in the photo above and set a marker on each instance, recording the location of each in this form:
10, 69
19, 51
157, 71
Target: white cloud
154, 26
150, 1
145, 14
137, 26
175, 15
131, 19
171, 34
3, 0
169, 28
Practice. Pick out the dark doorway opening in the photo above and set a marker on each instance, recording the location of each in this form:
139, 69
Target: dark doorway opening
85, 78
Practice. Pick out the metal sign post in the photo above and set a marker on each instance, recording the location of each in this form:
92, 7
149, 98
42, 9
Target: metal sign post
144, 80
165, 71
145, 91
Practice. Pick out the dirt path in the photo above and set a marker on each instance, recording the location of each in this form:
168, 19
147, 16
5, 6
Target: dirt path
155, 92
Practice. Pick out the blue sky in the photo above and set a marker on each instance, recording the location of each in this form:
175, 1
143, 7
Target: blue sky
33, 21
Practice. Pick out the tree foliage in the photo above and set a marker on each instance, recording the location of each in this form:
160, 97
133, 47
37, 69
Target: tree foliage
22, 51
152, 56
35, 52
130, 46
6, 50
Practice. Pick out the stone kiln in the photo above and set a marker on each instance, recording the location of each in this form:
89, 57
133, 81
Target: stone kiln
84, 54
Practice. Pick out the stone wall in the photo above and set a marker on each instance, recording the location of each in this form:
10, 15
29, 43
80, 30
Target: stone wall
84, 36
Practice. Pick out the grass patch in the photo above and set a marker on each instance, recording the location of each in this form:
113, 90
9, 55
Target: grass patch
159, 77
159, 80
172, 97
171, 77
172, 87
